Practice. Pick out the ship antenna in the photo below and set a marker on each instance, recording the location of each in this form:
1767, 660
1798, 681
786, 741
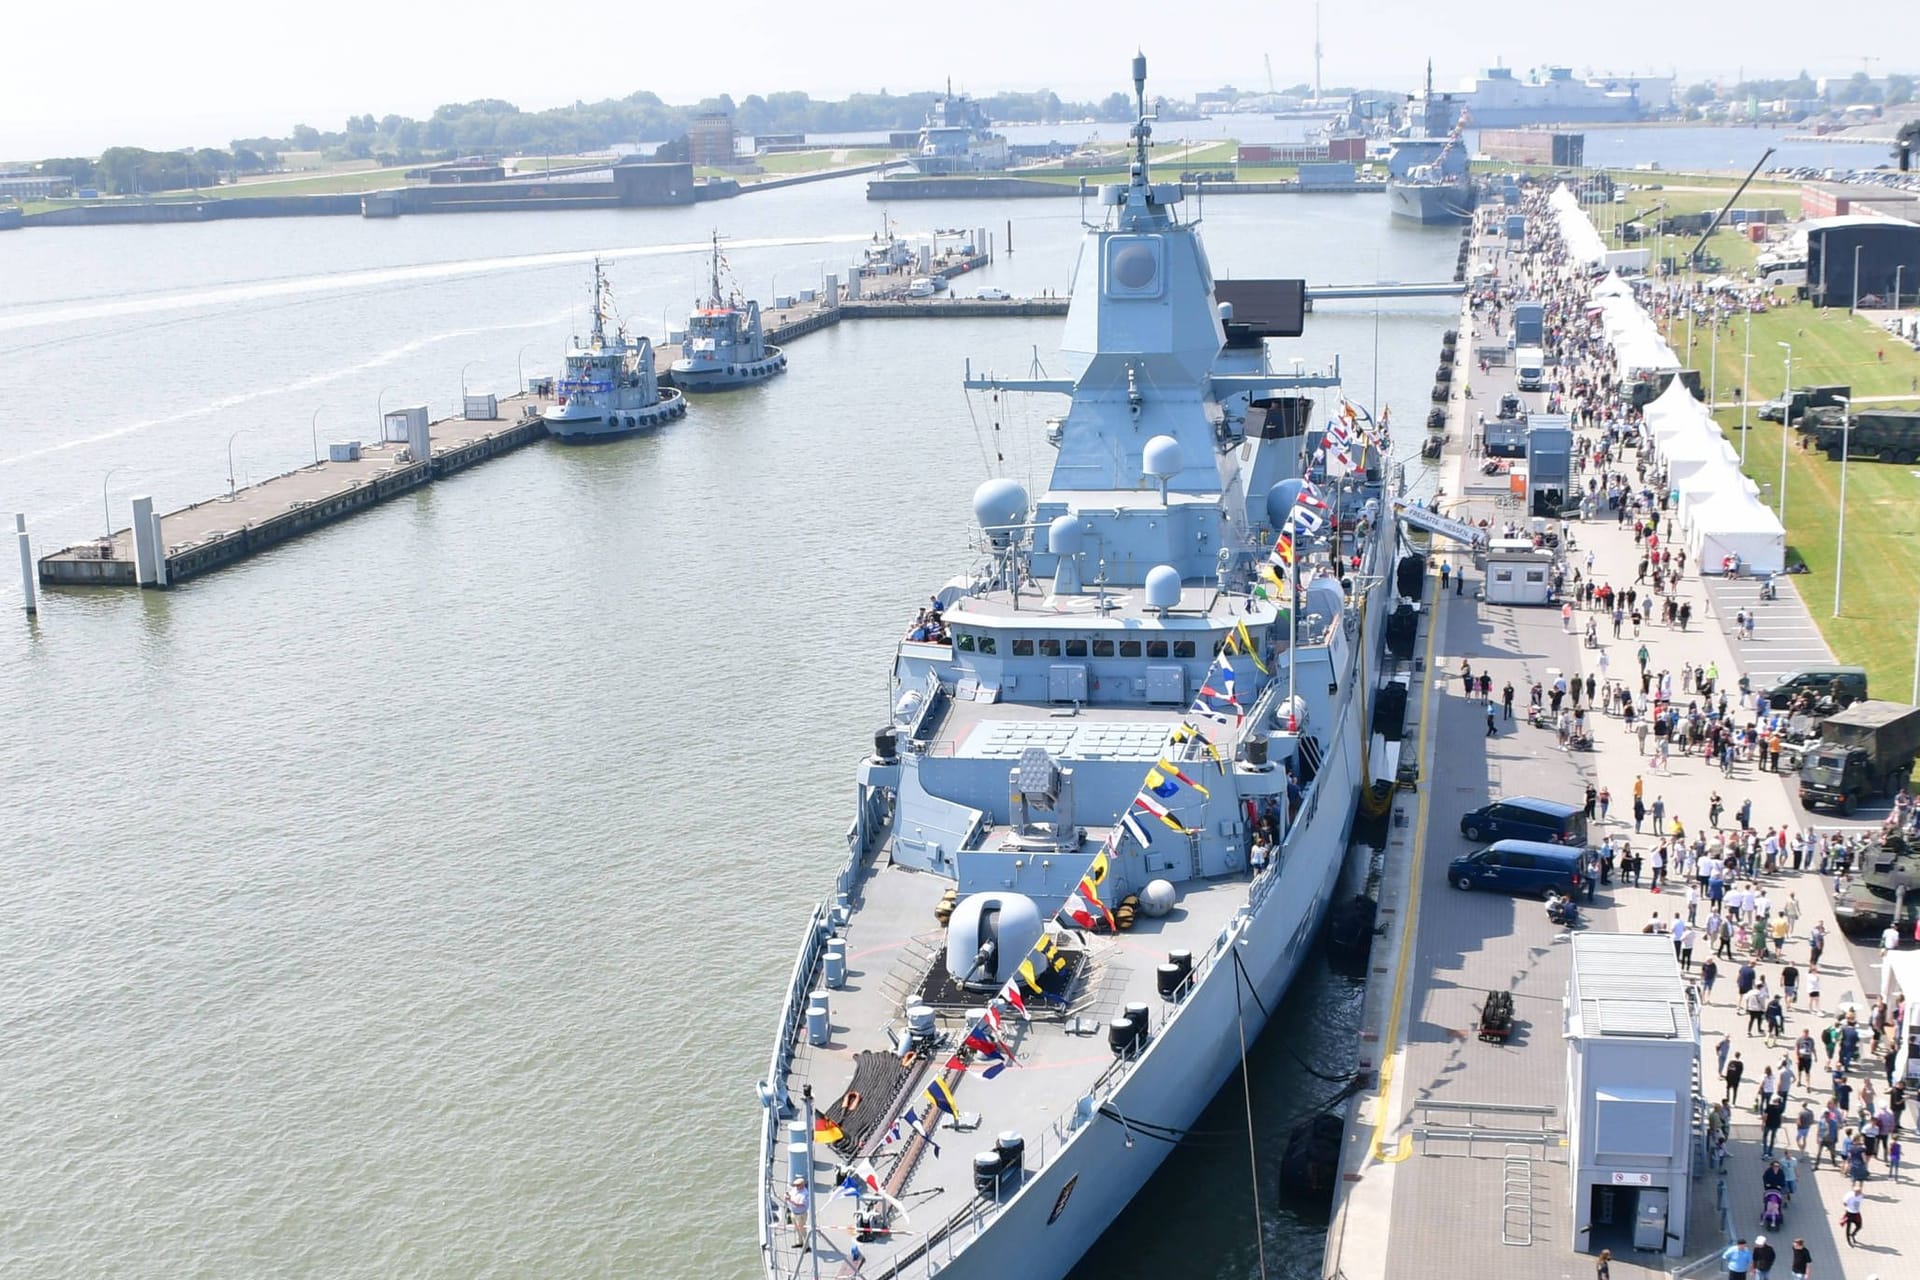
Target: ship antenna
599, 306
1142, 129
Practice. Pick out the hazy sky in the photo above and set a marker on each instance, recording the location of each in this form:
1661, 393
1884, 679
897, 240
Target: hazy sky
201, 72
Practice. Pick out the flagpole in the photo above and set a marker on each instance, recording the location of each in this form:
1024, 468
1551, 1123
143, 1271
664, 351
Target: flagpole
813, 1215
1293, 648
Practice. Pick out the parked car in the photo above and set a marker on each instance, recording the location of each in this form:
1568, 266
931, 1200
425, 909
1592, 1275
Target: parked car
1519, 866
993, 295
1526, 818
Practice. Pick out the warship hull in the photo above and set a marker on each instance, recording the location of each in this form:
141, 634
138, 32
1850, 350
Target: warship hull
1430, 203
1081, 1186
600, 425
694, 377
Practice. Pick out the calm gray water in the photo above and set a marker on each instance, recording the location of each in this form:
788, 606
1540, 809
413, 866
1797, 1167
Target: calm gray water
412, 900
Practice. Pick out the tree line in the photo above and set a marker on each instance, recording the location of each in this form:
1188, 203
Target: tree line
494, 126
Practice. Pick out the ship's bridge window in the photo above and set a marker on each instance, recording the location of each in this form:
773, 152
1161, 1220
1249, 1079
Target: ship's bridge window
1129, 648
1103, 648
1049, 647
989, 645
1023, 648
1156, 648
1183, 648
963, 641
1076, 648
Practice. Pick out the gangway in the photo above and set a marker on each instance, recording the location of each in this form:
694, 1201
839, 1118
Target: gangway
1447, 527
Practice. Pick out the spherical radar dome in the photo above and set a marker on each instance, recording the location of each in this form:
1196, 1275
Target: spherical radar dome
1157, 898
999, 502
1280, 500
1065, 537
1163, 587
1161, 458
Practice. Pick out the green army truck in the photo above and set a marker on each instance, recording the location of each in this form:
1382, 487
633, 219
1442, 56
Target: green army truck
1864, 751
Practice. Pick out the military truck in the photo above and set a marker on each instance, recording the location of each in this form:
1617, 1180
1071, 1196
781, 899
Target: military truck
1794, 408
1891, 435
1886, 890
1864, 751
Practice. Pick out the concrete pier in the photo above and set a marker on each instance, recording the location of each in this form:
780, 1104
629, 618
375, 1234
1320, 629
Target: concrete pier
1415, 1197
221, 531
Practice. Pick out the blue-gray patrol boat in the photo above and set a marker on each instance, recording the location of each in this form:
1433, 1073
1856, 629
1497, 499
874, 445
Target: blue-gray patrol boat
1098, 833
724, 346
609, 389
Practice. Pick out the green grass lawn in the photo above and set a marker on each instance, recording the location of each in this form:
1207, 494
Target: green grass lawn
1882, 584
339, 181
789, 162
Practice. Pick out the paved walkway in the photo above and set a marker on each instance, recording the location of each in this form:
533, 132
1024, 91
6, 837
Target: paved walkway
1410, 1215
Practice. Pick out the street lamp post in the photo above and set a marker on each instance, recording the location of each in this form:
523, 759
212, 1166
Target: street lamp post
463, 385
230, 439
519, 371
380, 413
313, 428
106, 508
1898, 268
1713, 360
1840, 551
1786, 415
1746, 385
1854, 309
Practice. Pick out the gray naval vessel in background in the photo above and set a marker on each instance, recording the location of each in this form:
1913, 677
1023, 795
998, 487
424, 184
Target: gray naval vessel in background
1098, 834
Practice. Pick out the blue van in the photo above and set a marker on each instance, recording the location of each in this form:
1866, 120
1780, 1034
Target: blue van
1520, 866
1527, 818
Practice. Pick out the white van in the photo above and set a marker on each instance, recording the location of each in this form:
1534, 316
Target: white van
1530, 368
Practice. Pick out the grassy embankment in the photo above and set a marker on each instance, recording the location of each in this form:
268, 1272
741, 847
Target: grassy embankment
1876, 626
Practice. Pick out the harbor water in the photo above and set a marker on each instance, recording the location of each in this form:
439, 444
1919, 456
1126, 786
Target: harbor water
414, 899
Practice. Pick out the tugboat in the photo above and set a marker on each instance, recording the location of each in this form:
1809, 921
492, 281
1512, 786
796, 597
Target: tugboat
725, 347
609, 389
1100, 826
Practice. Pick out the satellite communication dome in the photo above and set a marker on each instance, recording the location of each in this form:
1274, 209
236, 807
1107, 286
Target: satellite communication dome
1163, 587
1065, 537
998, 503
1161, 459
1280, 500
1158, 898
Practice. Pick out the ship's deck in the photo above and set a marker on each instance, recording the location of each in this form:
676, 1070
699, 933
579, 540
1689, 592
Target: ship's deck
892, 940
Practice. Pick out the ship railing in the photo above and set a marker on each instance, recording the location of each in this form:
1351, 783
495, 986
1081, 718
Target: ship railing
945, 1241
792, 1013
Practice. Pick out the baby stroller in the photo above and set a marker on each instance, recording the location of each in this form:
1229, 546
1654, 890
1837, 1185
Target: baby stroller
1773, 1210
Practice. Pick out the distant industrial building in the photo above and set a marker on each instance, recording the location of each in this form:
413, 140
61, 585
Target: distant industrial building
24, 184
1534, 146
1335, 150
710, 141
1499, 98
1837, 199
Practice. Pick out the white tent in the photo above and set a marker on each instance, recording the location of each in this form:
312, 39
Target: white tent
1675, 401
1613, 287
1736, 524
1686, 454
1706, 483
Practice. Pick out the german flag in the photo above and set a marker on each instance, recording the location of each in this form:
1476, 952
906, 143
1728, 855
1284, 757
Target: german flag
825, 1130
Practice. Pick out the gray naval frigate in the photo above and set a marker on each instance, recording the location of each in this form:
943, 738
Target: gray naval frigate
1098, 833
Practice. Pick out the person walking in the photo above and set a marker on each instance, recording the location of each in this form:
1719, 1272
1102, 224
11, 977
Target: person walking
1850, 1216
1735, 1069
1506, 699
1800, 1263
1603, 1265
1492, 724
1709, 971
1739, 1259
1764, 1258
